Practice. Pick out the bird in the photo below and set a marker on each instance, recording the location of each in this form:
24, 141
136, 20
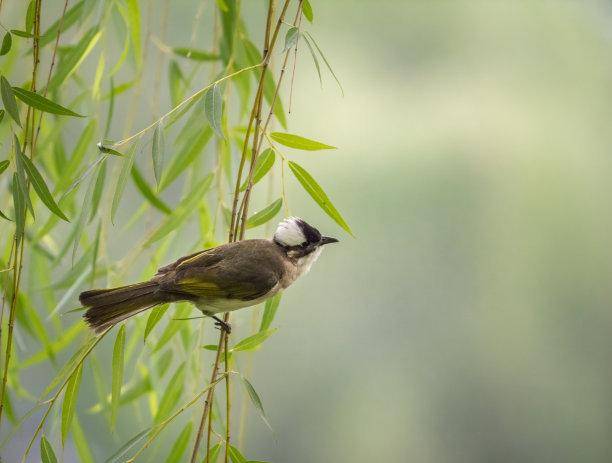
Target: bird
216, 280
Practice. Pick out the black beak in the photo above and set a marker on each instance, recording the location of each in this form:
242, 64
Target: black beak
327, 240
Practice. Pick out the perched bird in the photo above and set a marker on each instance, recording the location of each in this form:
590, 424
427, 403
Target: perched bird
220, 279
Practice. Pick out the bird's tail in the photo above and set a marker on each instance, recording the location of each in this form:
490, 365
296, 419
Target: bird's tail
106, 307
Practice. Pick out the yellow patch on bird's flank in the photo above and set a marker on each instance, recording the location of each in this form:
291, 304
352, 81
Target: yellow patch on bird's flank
199, 287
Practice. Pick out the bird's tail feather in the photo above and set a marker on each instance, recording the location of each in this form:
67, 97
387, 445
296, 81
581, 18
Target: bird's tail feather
106, 307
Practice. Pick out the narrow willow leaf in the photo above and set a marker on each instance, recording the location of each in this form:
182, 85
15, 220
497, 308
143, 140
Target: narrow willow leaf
154, 317
314, 59
265, 215
21, 173
147, 192
263, 164
8, 99
213, 453
84, 213
7, 42
317, 193
172, 394
75, 57
70, 400
186, 155
47, 455
180, 444
70, 18
196, 55
270, 312
134, 28
299, 143
255, 400
19, 205
236, 456
291, 38
117, 373
3, 215
164, 361
40, 102
98, 190
122, 180
107, 150
3, 165
325, 61
19, 33
307, 10
213, 106
29, 19
251, 342
125, 448
175, 80
1, 114
41, 187
95, 89
158, 152
80, 442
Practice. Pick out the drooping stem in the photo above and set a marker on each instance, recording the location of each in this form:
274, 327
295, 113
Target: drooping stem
255, 115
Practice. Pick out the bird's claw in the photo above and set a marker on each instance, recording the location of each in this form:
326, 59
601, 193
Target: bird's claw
223, 326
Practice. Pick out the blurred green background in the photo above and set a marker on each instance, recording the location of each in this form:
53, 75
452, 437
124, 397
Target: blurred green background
470, 320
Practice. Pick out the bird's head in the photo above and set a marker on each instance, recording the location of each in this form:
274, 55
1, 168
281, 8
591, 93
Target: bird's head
299, 238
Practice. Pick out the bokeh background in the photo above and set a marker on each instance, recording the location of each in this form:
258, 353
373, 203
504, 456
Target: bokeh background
470, 319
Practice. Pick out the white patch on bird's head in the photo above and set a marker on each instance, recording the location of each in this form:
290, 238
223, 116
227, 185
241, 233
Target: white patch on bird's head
289, 232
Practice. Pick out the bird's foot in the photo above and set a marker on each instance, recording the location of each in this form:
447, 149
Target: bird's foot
221, 325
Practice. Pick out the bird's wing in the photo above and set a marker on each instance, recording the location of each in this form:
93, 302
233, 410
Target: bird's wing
205, 257
221, 273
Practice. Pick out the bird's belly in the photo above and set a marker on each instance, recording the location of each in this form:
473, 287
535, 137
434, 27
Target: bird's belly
227, 305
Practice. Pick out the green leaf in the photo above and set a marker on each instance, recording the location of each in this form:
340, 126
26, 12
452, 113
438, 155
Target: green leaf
117, 373
70, 18
3, 165
108, 150
7, 42
299, 143
180, 444
147, 192
255, 400
325, 61
213, 106
175, 79
47, 455
84, 213
194, 54
8, 99
251, 342
172, 327
22, 175
98, 190
186, 155
40, 102
134, 28
235, 455
24, 34
154, 317
70, 400
263, 164
307, 10
317, 193
315, 59
291, 38
265, 215
122, 180
29, 19
172, 394
75, 57
270, 311
19, 203
41, 187
1, 114
158, 152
